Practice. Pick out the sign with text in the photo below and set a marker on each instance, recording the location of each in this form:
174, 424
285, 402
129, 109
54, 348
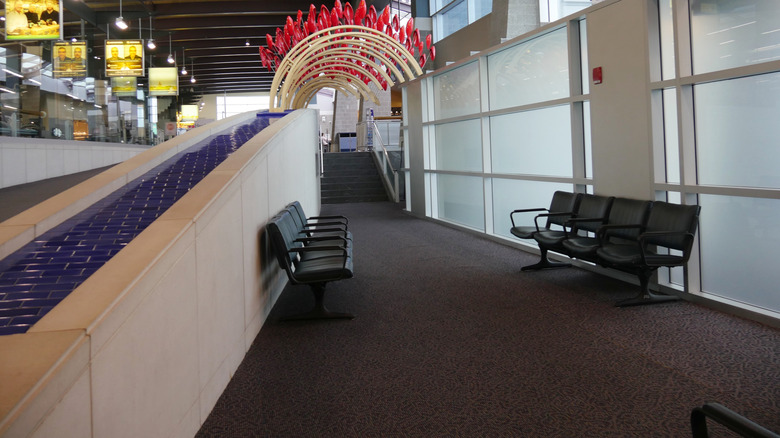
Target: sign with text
124, 58
68, 60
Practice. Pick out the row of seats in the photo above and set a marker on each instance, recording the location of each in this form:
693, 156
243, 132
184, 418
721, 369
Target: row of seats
630, 235
312, 251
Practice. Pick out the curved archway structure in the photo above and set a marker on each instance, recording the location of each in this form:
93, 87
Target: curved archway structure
342, 50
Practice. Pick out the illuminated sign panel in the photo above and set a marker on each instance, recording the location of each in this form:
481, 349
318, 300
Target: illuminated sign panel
163, 81
124, 86
69, 60
33, 20
124, 58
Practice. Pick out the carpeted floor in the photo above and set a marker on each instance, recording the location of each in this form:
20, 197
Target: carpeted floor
452, 340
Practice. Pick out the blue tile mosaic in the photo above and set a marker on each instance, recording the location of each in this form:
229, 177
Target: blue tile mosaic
38, 276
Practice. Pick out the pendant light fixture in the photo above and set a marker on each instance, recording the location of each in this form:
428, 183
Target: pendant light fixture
192, 78
183, 64
120, 22
150, 44
170, 51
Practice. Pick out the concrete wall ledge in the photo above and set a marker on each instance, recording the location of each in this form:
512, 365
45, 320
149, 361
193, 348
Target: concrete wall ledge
148, 343
24, 160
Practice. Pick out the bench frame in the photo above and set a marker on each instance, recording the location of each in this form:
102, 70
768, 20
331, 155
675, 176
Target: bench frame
300, 249
648, 237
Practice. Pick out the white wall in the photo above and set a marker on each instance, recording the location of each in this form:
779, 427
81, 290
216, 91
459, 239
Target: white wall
620, 105
24, 160
148, 343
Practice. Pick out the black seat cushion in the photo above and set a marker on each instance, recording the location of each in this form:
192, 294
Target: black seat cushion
549, 238
323, 269
523, 232
583, 247
620, 254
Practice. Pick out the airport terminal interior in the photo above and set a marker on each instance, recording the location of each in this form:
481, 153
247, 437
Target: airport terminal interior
548, 218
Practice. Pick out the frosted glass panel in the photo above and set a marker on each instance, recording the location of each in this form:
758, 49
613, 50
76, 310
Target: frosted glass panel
667, 39
670, 136
534, 71
532, 142
509, 195
461, 199
734, 33
459, 146
389, 131
739, 242
737, 130
456, 92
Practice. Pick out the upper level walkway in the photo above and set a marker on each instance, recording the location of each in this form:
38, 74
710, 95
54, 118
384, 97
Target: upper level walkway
138, 290
38, 276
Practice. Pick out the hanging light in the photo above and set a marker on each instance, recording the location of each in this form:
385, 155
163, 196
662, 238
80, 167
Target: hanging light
183, 65
120, 22
170, 51
247, 42
192, 78
150, 44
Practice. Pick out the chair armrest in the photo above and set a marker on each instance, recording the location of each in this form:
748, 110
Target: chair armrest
552, 213
572, 221
642, 239
306, 249
603, 232
728, 418
341, 225
523, 210
310, 249
317, 218
324, 230
321, 239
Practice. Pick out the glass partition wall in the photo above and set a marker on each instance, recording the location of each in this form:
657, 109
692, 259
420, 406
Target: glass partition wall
505, 129
478, 166
716, 91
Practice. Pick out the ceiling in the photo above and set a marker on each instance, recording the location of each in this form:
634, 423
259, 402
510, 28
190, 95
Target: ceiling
209, 35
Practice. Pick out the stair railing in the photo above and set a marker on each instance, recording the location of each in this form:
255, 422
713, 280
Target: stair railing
372, 141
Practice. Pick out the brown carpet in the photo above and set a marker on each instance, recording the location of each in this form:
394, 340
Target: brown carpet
452, 340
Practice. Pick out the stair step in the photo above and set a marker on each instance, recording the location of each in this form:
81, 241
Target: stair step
350, 177
352, 198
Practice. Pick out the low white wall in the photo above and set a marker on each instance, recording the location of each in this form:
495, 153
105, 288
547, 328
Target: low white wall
24, 160
148, 343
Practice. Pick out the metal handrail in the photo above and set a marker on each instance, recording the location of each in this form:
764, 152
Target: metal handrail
389, 163
383, 160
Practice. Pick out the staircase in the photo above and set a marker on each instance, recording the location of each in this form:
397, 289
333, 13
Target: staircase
350, 177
